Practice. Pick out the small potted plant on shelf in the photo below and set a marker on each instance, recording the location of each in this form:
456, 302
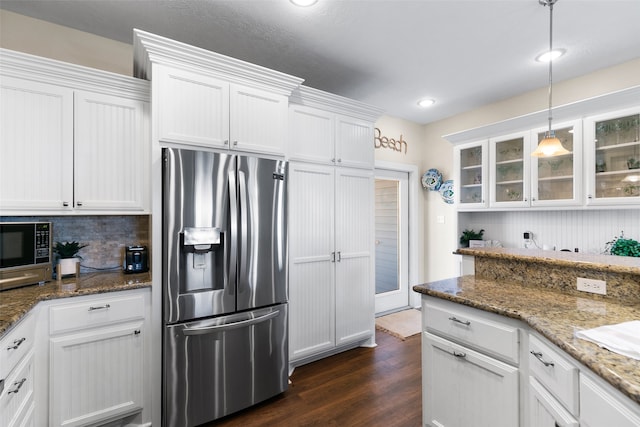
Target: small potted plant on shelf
468, 235
68, 254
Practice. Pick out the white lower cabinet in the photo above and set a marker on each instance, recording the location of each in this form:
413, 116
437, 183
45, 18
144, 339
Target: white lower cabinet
545, 410
96, 358
17, 374
600, 407
467, 388
330, 263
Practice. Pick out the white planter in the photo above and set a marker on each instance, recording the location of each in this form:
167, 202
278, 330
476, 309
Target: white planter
68, 265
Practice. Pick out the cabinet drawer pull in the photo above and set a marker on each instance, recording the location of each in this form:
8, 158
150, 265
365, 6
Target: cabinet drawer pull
17, 385
538, 356
78, 203
100, 307
136, 332
65, 204
464, 322
457, 354
16, 344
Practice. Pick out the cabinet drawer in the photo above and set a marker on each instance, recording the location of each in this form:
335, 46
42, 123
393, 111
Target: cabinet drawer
94, 312
17, 393
15, 345
555, 372
473, 328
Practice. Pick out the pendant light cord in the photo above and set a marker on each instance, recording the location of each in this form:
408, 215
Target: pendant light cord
550, 4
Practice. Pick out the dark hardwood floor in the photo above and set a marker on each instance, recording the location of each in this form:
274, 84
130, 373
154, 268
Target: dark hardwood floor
361, 387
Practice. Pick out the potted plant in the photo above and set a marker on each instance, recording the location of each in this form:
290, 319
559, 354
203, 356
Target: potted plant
68, 254
624, 247
468, 235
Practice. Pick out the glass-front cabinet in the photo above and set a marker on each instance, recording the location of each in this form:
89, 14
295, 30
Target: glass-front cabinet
613, 162
556, 181
510, 170
471, 166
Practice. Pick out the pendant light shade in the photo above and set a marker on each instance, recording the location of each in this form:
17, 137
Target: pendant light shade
550, 146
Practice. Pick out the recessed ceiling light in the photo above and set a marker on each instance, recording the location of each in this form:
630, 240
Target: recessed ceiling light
427, 102
304, 3
547, 56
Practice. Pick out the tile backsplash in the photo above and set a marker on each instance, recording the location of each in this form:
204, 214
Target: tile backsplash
106, 236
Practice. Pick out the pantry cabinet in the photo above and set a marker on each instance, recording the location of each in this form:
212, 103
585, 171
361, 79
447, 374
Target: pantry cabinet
73, 140
331, 264
96, 357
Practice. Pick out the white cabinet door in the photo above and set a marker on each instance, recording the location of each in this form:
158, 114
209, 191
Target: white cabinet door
355, 294
466, 388
192, 108
96, 375
258, 120
110, 148
471, 165
600, 408
557, 181
311, 270
311, 135
510, 177
545, 410
354, 142
36, 146
612, 144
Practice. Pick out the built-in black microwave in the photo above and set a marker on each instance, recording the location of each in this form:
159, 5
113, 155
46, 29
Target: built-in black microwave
25, 253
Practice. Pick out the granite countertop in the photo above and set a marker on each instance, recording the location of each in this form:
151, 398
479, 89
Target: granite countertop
555, 315
16, 303
596, 262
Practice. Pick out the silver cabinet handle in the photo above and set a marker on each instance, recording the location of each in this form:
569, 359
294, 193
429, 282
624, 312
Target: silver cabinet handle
459, 354
339, 160
333, 160
339, 256
16, 343
538, 356
100, 307
226, 142
136, 332
333, 257
65, 204
78, 203
455, 319
17, 385
235, 143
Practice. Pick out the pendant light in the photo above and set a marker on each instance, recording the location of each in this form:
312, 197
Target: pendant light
550, 146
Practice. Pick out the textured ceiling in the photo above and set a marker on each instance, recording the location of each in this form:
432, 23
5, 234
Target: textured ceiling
464, 54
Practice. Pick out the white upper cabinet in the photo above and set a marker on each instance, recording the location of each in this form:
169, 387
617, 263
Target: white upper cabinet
329, 129
73, 139
557, 181
192, 108
510, 179
612, 168
36, 145
204, 99
111, 143
471, 166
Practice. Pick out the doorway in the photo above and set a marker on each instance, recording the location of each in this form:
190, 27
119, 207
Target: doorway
391, 240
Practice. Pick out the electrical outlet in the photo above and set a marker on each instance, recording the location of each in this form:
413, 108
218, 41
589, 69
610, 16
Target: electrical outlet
592, 285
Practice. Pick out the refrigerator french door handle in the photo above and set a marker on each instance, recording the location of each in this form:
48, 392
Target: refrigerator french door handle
244, 225
233, 250
230, 326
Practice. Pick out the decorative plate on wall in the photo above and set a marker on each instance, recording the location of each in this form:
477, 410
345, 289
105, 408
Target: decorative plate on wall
432, 179
446, 191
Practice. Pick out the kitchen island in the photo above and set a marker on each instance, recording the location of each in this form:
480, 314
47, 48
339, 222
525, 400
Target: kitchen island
534, 291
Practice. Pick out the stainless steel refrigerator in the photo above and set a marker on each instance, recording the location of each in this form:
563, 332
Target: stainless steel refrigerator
225, 343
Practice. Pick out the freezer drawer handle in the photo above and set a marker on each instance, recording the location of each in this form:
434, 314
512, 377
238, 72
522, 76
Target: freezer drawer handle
230, 326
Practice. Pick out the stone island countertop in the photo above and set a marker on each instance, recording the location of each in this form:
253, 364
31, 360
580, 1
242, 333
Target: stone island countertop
551, 311
16, 303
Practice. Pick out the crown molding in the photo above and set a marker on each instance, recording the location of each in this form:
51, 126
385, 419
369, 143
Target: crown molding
150, 49
31, 67
315, 98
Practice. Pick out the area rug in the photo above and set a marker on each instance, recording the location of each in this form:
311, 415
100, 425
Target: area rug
401, 324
